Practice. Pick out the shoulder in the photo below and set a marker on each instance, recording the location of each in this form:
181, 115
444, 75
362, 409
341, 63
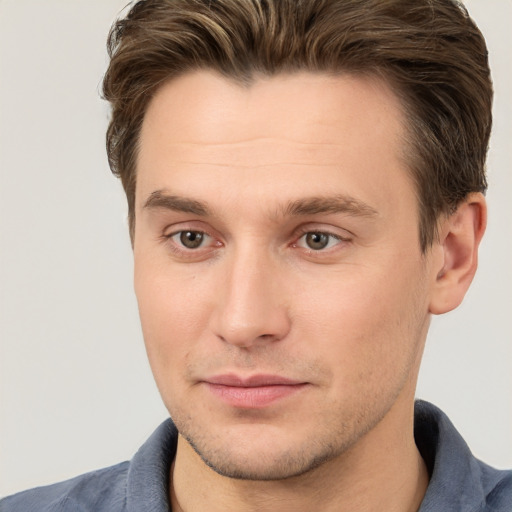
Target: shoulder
458, 480
98, 491
497, 486
126, 486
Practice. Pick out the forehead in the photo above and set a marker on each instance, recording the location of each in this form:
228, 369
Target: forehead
205, 107
293, 133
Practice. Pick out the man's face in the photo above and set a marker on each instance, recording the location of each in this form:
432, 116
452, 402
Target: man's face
282, 291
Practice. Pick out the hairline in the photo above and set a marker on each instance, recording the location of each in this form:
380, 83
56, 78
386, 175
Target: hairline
406, 151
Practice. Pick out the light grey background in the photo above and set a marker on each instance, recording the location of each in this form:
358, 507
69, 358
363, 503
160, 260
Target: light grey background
76, 391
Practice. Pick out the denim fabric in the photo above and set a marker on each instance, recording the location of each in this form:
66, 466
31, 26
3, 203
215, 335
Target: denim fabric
459, 482
137, 486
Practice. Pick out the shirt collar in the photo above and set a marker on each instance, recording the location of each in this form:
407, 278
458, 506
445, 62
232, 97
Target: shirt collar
149, 472
455, 475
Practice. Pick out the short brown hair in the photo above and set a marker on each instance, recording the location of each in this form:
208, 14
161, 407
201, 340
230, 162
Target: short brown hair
430, 51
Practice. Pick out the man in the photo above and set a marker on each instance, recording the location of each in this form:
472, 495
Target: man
305, 187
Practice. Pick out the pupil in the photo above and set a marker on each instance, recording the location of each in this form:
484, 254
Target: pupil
191, 239
317, 241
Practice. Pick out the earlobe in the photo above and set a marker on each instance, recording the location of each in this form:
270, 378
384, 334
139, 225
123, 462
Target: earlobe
460, 236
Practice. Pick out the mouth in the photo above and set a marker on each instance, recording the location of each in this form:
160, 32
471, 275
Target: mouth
254, 392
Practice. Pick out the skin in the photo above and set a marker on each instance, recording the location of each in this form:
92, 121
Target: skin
262, 176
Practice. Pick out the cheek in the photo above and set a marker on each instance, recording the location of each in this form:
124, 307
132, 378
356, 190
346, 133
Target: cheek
173, 311
367, 325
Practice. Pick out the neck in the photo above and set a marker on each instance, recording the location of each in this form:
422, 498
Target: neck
381, 472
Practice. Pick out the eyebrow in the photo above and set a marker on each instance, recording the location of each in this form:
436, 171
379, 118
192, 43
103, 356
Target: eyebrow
330, 204
316, 205
160, 200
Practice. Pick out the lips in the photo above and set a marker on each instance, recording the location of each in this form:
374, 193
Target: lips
254, 392
252, 381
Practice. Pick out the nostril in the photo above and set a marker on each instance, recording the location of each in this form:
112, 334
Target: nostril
267, 337
248, 341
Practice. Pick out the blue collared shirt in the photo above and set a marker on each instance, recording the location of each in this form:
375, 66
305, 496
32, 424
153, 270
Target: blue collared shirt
459, 482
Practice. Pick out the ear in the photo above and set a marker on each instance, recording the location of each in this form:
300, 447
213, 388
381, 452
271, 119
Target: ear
459, 238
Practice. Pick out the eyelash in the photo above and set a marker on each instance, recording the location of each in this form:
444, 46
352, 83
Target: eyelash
178, 248
308, 231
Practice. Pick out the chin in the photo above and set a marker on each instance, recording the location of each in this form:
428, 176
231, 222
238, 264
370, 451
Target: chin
265, 455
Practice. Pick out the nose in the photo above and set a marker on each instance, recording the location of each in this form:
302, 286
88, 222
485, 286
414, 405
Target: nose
251, 307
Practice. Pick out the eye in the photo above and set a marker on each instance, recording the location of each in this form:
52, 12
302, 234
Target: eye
190, 239
317, 240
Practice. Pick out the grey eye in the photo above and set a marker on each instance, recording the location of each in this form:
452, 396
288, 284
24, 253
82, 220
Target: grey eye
317, 241
191, 239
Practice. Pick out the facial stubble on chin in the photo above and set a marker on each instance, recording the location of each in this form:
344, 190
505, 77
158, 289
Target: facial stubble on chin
297, 461
342, 426
289, 465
